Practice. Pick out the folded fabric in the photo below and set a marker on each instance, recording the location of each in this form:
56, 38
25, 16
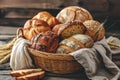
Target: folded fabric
97, 61
114, 44
20, 58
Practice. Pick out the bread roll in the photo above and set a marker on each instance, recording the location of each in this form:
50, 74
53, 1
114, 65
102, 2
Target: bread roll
47, 42
47, 17
94, 29
33, 27
72, 13
68, 29
74, 43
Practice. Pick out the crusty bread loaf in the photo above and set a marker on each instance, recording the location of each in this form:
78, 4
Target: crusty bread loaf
47, 42
72, 13
74, 43
33, 27
18, 73
94, 29
32, 76
68, 29
47, 17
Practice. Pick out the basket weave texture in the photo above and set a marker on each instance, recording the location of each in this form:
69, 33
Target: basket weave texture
55, 63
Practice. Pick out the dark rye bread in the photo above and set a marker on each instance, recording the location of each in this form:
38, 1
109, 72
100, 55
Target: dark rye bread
47, 42
68, 29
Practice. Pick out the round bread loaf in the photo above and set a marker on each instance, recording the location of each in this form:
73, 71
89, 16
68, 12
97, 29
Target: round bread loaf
72, 13
33, 27
47, 42
74, 43
68, 29
46, 16
94, 29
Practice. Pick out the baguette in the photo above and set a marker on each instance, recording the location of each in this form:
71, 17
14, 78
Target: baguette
17, 73
32, 76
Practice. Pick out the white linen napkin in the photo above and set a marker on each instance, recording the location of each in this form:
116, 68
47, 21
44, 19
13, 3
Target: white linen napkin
20, 58
97, 61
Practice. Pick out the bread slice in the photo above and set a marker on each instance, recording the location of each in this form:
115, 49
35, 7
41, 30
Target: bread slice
71, 28
32, 76
23, 72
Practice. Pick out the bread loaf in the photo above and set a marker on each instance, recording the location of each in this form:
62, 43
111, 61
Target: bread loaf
32, 76
33, 27
47, 42
73, 13
68, 29
18, 73
74, 43
94, 29
47, 17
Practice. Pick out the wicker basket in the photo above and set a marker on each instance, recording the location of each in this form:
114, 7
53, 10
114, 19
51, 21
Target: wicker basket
55, 63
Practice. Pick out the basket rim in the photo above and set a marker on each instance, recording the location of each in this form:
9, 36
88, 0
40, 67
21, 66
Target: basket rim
53, 56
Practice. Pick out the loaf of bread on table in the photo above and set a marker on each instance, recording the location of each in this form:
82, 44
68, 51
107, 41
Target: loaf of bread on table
17, 73
32, 76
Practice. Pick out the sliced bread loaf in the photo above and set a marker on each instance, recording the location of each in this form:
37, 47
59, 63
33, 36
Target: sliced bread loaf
68, 29
74, 43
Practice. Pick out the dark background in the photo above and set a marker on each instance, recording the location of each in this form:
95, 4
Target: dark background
16, 12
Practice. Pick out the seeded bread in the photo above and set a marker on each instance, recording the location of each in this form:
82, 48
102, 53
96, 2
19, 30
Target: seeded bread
94, 29
74, 43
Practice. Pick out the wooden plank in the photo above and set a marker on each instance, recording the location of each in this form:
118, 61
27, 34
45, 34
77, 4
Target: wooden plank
95, 5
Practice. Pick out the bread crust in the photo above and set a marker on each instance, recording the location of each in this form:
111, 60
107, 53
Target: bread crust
17, 73
47, 42
33, 27
75, 42
94, 29
73, 13
32, 76
68, 29
47, 17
